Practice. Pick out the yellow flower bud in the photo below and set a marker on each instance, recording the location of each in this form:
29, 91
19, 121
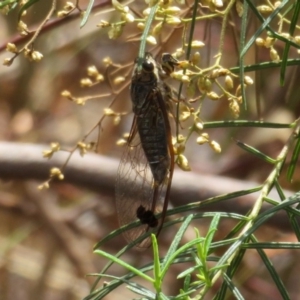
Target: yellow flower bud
86, 82
260, 42
248, 80
92, 71
264, 8
121, 142
269, 42
228, 83
274, 55
213, 96
173, 21
215, 146
151, 40
109, 112
7, 62
183, 163
66, 94
10, 47
197, 44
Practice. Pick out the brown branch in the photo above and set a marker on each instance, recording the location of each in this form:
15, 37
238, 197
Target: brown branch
98, 173
17, 39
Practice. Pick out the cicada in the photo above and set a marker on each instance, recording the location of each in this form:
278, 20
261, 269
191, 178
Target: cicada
146, 168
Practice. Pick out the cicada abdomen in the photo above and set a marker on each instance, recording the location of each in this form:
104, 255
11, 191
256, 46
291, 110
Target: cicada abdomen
146, 168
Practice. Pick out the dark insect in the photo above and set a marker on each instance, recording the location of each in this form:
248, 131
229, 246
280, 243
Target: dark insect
146, 216
146, 168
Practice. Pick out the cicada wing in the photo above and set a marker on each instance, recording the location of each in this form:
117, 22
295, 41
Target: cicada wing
136, 191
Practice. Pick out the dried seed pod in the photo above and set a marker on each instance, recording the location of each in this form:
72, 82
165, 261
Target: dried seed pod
197, 44
119, 80
109, 112
265, 9
86, 82
198, 123
173, 21
239, 8
173, 10
269, 42
92, 71
215, 146
217, 3
10, 47
203, 138
208, 84
228, 82
260, 42
274, 55
115, 31
234, 107
157, 28
213, 96
248, 80
151, 40
196, 58
297, 39
183, 163
117, 120
121, 142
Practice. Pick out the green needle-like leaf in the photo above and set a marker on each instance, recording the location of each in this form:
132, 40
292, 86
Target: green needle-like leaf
124, 264
256, 152
87, 13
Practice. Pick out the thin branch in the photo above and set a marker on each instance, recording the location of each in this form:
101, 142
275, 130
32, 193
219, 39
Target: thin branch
17, 40
98, 173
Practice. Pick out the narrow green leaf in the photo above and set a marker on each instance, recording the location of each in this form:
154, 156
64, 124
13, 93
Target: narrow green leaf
245, 123
285, 54
87, 13
236, 229
7, 2
156, 262
145, 34
256, 224
140, 290
264, 25
187, 282
211, 232
169, 261
161, 296
187, 272
192, 29
291, 210
230, 272
294, 160
271, 245
276, 278
265, 65
241, 57
26, 6
125, 265
256, 152
232, 287
183, 295
219, 267
176, 240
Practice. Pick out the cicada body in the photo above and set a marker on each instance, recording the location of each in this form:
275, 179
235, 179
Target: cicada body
146, 168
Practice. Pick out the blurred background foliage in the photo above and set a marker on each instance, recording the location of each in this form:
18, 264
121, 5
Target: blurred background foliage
47, 236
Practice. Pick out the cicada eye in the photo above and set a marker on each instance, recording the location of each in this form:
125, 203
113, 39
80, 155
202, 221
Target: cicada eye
148, 66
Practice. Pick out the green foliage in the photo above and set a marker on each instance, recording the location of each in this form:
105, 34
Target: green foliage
199, 84
242, 237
